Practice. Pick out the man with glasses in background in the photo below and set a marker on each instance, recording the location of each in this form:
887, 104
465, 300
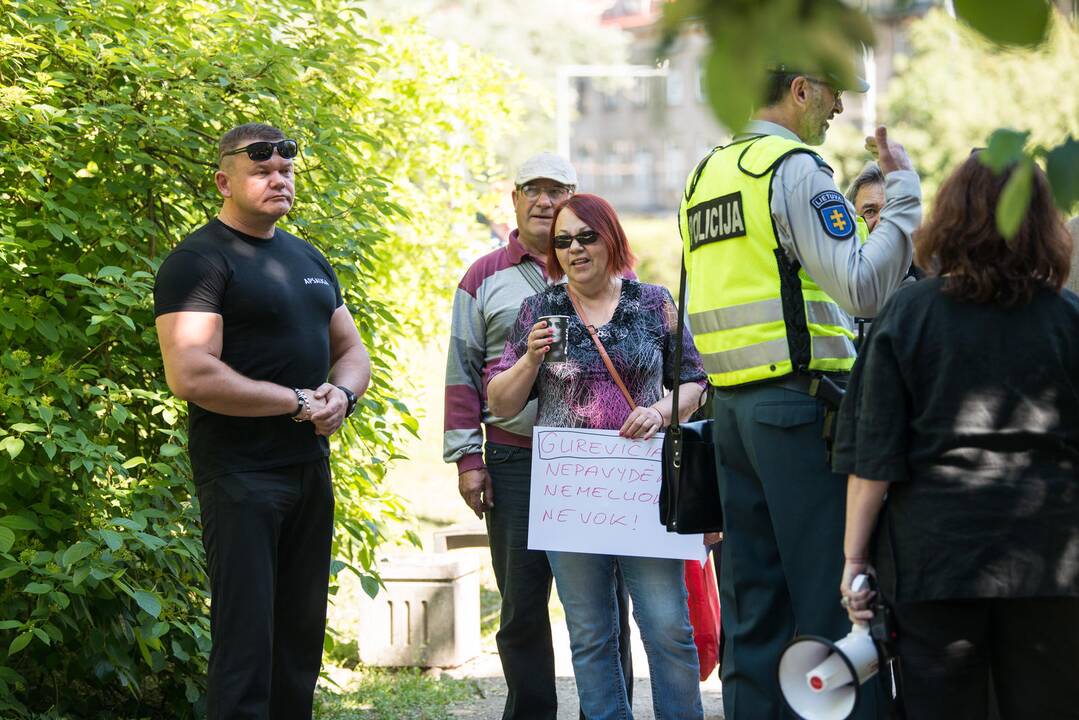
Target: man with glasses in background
493, 476
255, 336
776, 267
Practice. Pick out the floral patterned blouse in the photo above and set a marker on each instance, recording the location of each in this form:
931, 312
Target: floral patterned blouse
639, 339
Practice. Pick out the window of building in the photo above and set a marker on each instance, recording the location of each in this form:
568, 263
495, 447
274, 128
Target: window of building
698, 84
674, 166
675, 87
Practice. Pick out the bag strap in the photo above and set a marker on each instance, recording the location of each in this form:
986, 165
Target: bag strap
602, 350
673, 440
675, 426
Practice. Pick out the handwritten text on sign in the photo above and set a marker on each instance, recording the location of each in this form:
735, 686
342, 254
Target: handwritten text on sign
595, 492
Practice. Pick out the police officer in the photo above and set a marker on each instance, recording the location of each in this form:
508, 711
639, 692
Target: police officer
777, 265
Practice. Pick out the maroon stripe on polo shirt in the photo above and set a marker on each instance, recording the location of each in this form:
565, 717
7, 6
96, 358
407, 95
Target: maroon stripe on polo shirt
484, 268
463, 407
504, 437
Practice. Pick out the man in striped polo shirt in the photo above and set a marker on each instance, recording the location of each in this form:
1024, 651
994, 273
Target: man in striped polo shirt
484, 310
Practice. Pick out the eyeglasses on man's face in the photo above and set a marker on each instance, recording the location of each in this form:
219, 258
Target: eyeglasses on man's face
263, 149
556, 193
563, 241
837, 95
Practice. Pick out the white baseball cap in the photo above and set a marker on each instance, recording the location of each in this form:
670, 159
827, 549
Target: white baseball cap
546, 165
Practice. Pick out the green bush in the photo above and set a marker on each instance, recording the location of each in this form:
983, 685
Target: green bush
109, 114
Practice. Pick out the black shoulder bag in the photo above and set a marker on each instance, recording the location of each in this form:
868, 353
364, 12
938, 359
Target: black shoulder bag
689, 493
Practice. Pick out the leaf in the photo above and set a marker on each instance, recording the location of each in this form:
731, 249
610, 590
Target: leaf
1014, 22
151, 541
19, 522
1062, 167
7, 539
77, 552
134, 462
1005, 149
27, 427
112, 538
38, 588
80, 575
10, 570
169, 450
76, 279
369, 585
1015, 199
110, 271
128, 523
148, 602
20, 642
13, 445
10, 624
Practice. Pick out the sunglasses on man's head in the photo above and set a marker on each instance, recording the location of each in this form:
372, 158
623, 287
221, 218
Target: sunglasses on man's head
585, 237
263, 149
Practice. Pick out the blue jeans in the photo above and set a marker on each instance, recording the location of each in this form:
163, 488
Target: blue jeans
586, 586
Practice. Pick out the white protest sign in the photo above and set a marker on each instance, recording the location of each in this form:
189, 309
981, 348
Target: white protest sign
595, 492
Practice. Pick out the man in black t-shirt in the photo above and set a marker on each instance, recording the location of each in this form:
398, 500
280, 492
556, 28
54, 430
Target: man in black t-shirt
255, 336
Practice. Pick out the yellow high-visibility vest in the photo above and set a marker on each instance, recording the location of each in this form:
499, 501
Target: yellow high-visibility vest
755, 314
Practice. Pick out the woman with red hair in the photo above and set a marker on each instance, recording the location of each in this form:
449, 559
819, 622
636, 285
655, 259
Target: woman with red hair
964, 408
636, 323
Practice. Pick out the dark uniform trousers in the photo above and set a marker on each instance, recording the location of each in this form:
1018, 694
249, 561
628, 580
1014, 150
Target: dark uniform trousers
782, 552
524, 580
267, 536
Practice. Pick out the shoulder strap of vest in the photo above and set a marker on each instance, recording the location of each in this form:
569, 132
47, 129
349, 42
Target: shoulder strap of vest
692, 186
775, 163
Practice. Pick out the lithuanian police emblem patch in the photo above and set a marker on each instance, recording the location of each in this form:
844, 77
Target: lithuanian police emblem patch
834, 216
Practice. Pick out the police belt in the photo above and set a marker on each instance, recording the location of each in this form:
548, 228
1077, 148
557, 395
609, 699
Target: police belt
829, 388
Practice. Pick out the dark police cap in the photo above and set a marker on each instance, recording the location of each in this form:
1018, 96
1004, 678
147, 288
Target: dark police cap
856, 83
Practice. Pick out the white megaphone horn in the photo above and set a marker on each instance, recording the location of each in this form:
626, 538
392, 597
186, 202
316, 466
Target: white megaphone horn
821, 679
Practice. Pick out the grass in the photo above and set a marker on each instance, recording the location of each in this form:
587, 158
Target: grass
383, 694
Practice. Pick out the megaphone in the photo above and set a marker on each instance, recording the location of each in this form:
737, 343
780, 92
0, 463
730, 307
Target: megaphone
821, 679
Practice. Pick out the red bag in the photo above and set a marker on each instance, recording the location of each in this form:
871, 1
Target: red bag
704, 613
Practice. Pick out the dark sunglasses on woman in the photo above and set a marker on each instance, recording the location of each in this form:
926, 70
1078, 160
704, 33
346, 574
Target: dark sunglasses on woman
263, 149
563, 242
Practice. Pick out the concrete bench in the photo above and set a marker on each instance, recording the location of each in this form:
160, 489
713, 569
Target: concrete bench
428, 615
461, 535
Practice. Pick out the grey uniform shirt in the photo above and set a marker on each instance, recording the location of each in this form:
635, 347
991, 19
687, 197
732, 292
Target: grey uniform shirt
859, 277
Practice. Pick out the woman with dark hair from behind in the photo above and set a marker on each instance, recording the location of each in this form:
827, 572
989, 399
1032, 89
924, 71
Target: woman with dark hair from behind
960, 430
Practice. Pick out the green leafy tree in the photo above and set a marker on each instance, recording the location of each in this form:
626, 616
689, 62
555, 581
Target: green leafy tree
957, 88
109, 114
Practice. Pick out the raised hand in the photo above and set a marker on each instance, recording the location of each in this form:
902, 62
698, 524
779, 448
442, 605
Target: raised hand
889, 154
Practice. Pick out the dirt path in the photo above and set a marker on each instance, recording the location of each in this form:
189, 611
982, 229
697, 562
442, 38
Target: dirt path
487, 672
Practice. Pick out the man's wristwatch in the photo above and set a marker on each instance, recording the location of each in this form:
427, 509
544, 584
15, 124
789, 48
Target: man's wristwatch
351, 397
303, 405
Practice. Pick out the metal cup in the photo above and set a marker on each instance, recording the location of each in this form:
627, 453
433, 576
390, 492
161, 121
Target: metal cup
559, 339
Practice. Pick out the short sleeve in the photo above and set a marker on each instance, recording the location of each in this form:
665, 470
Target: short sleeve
692, 369
188, 281
872, 437
338, 297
